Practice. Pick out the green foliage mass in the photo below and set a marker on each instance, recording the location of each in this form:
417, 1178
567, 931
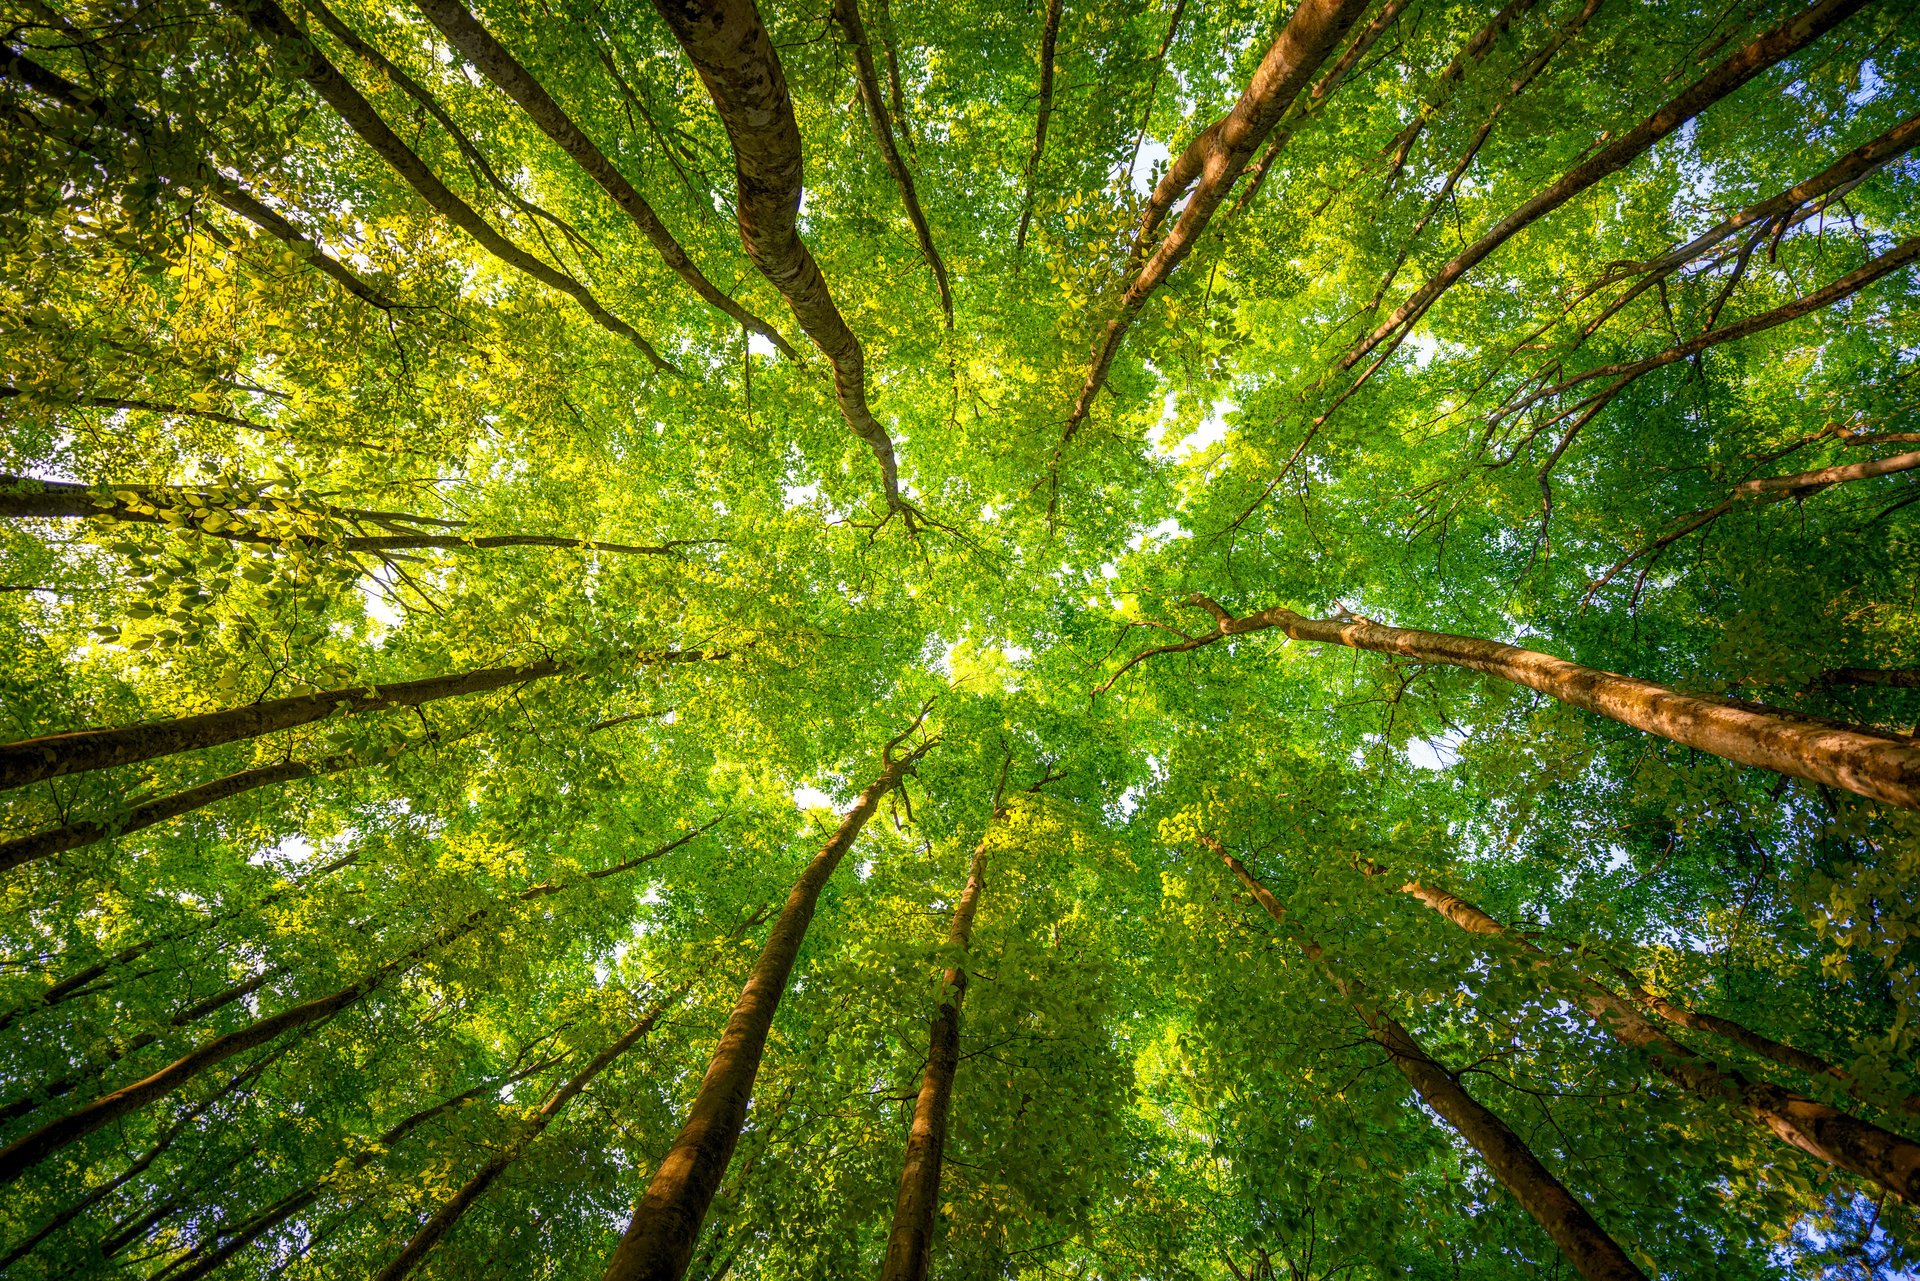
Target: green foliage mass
1154, 1081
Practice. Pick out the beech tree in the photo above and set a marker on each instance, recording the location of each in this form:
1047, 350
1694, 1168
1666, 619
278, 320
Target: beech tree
748, 641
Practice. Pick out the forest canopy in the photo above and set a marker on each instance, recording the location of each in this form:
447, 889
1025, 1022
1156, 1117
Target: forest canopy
873, 638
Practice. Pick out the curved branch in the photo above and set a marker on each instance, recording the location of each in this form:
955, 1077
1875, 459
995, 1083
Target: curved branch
1049, 40
479, 46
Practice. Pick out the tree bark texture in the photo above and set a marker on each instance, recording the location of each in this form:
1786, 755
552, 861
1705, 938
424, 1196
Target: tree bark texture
729, 47
1213, 162
1883, 767
306, 61
1771, 47
479, 47
911, 1238
1593, 1253
659, 1241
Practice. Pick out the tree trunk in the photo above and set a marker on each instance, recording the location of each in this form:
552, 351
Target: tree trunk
73, 836
1593, 1253
1776, 44
279, 33
729, 47
1838, 1138
847, 14
912, 1236
479, 47
1215, 160
130, 121
659, 1241
30, 1149
449, 1215
66, 1085
1881, 766
53, 755
1049, 42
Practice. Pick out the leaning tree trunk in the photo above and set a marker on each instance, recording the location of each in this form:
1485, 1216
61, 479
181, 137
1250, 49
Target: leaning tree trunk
911, 1239
1593, 1253
1881, 766
53, 755
30, 1149
448, 1216
659, 1241
1859, 1147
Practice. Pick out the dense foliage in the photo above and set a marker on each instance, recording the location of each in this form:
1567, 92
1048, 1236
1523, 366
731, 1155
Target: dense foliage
549, 574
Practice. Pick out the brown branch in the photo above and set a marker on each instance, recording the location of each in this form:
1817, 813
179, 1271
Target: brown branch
1049, 39
1438, 94
479, 46
271, 24
847, 14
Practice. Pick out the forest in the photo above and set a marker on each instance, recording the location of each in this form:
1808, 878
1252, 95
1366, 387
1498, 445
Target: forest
1141, 640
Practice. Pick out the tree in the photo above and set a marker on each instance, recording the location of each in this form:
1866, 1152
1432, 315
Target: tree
484, 488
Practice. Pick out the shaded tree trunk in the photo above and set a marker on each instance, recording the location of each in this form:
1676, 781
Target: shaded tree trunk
479, 47
911, 1238
728, 45
660, 1239
1049, 43
278, 32
1593, 1253
30, 1149
54, 755
449, 1215
1882, 766
1818, 1129
1212, 163
847, 14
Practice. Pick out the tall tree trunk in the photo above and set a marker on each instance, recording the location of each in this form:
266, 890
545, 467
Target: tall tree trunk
1213, 162
911, 1239
1593, 1253
66, 1085
279, 33
130, 121
479, 47
1882, 766
53, 755
659, 1241
847, 14
728, 45
1818, 1129
449, 1215
1049, 42
1771, 47
30, 1149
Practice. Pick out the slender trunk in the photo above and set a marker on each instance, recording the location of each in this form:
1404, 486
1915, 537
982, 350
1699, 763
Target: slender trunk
911, 1239
1885, 678
1449, 79
278, 32
847, 14
66, 1085
890, 44
1881, 766
130, 121
1593, 1253
30, 1149
729, 46
138, 1165
1213, 162
73, 836
479, 47
23, 497
659, 1241
31, 760
1776, 44
1049, 43
1840, 1139
77, 984
448, 1215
